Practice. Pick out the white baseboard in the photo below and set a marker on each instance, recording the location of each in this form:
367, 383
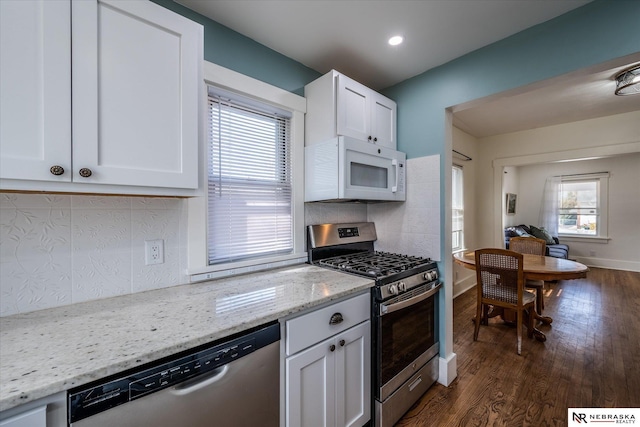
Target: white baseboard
612, 264
448, 369
463, 285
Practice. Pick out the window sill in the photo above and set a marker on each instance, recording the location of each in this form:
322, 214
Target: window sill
219, 271
578, 238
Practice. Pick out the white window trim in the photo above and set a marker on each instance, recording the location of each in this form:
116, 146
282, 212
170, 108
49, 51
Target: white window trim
462, 248
603, 208
245, 86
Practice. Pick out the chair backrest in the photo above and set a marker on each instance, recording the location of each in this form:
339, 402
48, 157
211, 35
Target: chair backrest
528, 245
500, 275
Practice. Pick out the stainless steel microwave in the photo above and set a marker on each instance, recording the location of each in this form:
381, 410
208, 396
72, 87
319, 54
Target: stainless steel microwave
344, 168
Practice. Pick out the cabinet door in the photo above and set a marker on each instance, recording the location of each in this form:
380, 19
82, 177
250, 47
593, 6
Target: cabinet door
353, 376
353, 110
33, 418
136, 89
310, 396
35, 82
383, 121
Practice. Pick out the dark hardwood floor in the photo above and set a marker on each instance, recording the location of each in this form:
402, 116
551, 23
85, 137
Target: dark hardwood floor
591, 359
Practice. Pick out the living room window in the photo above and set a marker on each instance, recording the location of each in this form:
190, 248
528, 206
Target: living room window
457, 209
583, 205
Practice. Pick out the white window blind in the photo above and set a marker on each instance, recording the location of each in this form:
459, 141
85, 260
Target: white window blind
249, 189
457, 209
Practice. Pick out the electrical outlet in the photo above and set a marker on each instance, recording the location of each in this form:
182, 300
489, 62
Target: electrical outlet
153, 251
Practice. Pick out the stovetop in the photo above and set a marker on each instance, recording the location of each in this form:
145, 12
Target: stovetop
349, 248
377, 265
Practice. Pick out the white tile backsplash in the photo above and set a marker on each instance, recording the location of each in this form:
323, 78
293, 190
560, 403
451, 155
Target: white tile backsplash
332, 213
412, 227
61, 249
147, 223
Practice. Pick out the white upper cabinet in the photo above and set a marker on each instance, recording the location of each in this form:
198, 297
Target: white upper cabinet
35, 82
136, 75
338, 105
132, 87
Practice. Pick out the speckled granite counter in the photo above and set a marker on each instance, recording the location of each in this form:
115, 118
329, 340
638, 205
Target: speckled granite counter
48, 351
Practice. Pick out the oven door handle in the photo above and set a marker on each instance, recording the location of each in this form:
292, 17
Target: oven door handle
388, 309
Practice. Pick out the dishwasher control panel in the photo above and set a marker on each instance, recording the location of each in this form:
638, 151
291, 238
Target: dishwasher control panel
116, 390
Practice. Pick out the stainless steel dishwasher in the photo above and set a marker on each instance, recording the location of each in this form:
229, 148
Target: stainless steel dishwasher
232, 383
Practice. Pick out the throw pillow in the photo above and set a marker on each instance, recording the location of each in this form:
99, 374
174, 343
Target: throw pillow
510, 232
520, 231
543, 234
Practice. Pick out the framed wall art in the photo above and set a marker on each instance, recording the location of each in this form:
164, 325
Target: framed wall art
511, 203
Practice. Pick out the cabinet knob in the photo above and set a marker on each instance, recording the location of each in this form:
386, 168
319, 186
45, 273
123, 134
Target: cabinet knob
57, 170
342, 343
85, 172
336, 319
375, 139
332, 347
369, 138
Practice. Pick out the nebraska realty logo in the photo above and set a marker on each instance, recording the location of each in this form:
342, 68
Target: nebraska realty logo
582, 416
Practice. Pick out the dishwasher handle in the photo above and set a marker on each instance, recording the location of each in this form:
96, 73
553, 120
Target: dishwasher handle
200, 382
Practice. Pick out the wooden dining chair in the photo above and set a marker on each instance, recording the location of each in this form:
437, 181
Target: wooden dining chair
533, 246
501, 284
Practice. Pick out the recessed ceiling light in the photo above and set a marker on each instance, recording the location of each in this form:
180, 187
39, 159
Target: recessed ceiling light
395, 40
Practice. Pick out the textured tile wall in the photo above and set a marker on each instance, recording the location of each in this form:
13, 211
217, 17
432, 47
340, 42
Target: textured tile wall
412, 227
331, 213
62, 249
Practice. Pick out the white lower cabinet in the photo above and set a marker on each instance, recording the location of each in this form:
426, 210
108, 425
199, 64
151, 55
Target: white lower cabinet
36, 417
50, 411
329, 383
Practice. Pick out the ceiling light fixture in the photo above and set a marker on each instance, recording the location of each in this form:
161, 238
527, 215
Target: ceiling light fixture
628, 81
395, 40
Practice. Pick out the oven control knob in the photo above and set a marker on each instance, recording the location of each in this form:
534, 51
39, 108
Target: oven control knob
393, 289
430, 275
402, 286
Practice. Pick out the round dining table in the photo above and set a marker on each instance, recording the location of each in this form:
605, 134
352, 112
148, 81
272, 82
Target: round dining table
535, 267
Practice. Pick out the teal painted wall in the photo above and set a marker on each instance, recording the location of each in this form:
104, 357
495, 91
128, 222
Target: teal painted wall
595, 33
232, 50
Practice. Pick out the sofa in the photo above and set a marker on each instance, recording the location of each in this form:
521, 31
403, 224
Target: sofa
554, 247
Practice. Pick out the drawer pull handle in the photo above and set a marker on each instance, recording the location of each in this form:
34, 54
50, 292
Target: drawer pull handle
332, 347
336, 319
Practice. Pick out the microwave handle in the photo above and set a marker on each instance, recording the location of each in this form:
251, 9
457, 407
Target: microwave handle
394, 163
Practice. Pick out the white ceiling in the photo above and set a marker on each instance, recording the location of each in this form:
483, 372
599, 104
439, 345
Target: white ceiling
351, 37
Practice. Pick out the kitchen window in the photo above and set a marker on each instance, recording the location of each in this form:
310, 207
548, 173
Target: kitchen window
457, 209
252, 215
249, 181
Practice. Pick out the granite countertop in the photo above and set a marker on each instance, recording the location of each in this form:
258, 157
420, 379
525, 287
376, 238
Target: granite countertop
48, 351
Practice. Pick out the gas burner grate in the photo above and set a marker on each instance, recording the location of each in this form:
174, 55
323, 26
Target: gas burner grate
374, 264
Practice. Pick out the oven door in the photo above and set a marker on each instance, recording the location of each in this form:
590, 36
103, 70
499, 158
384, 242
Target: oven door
407, 337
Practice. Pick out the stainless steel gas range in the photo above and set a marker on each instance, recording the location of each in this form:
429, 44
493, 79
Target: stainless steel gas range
404, 313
